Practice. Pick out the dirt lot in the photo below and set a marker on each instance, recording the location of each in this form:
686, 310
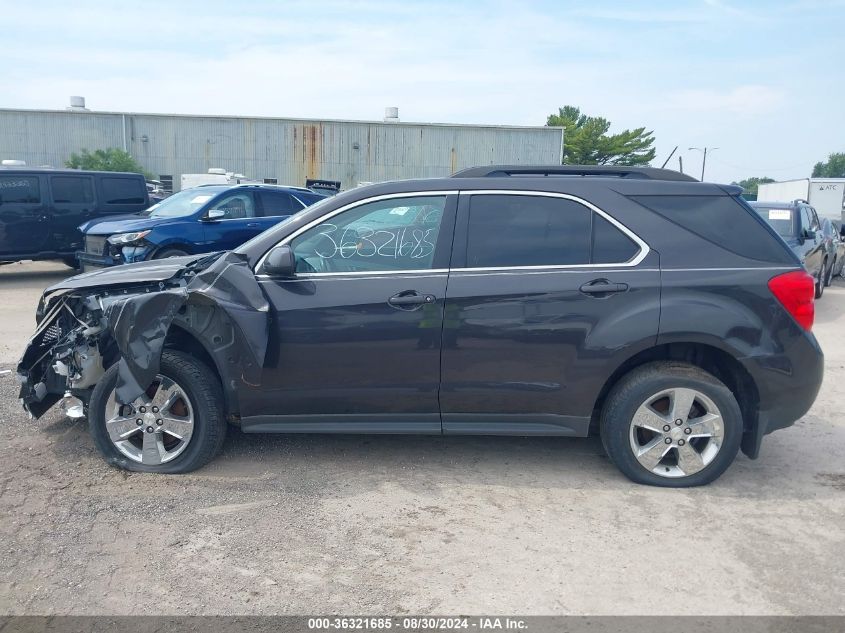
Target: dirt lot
318, 524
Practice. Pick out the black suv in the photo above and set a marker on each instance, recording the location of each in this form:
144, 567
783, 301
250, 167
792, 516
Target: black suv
40, 209
660, 312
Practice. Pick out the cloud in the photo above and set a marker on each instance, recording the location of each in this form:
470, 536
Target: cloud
744, 101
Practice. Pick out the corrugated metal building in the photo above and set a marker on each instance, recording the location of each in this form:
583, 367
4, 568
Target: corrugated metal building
287, 150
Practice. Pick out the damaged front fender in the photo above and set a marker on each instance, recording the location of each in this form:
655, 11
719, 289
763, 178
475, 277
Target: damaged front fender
84, 328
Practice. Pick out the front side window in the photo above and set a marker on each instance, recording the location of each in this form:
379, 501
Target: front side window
387, 235
20, 189
806, 224
72, 189
513, 230
237, 206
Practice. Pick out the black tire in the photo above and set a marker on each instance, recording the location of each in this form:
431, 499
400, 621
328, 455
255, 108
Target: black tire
820, 283
170, 252
203, 390
72, 262
828, 278
635, 388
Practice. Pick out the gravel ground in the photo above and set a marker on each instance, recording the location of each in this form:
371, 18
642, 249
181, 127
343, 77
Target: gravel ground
318, 524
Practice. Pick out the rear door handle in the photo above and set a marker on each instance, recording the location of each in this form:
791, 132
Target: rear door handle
602, 287
410, 298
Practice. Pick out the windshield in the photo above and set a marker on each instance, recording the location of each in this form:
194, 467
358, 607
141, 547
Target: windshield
780, 220
184, 203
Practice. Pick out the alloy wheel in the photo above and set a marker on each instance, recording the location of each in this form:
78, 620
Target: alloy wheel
154, 429
677, 432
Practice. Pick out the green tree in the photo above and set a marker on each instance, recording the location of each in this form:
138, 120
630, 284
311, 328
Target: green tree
750, 185
834, 167
586, 140
111, 159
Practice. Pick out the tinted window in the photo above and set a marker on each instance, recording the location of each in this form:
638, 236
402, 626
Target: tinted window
278, 203
20, 189
395, 234
610, 245
722, 220
72, 189
124, 190
527, 231
781, 220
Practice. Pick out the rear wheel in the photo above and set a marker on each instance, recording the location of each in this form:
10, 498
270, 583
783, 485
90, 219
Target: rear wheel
671, 424
72, 262
176, 426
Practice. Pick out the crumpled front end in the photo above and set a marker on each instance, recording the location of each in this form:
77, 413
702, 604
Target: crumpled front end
84, 328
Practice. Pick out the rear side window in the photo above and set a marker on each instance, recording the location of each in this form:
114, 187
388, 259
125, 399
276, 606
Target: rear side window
610, 245
123, 190
278, 203
721, 220
509, 230
20, 189
527, 231
72, 189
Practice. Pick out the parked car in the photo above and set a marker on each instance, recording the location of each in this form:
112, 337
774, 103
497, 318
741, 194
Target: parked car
830, 237
40, 209
639, 304
798, 224
198, 220
840, 254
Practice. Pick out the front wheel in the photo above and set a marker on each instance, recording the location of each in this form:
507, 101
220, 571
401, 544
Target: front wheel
820, 282
829, 277
170, 252
671, 424
176, 426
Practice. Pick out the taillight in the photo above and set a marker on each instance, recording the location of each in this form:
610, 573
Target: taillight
796, 292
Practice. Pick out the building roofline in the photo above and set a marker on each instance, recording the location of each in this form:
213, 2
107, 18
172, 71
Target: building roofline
272, 118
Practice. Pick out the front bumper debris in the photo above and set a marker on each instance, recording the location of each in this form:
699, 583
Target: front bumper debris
122, 315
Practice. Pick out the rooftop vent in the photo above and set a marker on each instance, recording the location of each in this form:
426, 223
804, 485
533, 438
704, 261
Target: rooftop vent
78, 104
391, 115
9, 162
217, 171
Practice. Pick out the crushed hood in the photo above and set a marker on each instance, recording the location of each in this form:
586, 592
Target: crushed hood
127, 274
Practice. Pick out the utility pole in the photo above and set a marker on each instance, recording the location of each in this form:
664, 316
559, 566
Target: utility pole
704, 160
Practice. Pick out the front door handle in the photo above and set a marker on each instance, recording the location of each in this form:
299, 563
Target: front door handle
410, 299
602, 287
253, 225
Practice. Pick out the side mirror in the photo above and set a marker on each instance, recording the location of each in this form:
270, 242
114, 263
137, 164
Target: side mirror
214, 215
280, 262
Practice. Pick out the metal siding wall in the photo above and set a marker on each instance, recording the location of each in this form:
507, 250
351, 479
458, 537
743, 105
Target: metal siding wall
288, 150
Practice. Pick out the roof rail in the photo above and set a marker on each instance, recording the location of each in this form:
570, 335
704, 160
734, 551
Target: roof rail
613, 171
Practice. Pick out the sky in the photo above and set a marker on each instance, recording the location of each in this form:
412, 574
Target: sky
764, 82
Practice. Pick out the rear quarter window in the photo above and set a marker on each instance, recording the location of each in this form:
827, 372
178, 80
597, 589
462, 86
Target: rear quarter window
20, 189
721, 220
123, 190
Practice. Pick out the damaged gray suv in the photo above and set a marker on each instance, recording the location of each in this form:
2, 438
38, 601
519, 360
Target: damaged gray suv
659, 312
